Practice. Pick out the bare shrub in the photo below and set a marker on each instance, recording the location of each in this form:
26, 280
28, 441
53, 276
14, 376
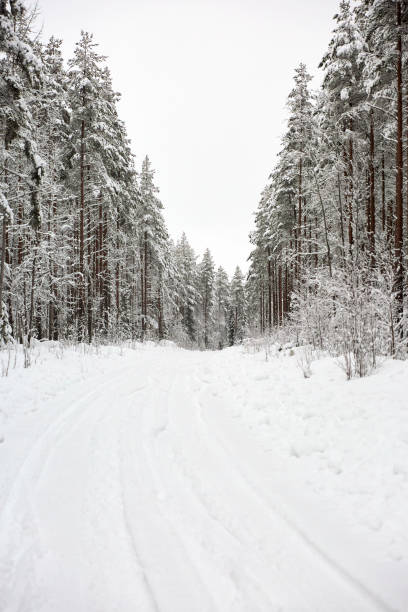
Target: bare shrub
304, 360
350, 314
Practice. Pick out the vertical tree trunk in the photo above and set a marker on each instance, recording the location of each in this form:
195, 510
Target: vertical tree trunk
144, 284
341, 214
90, 284
160, 311
50, 266
390, 224
3, 246
372, 192
275, 294
3, 259
383, 191
280, 293
100, 248
106, 275
81, 313
32, 293
351, 188
142, 309
20, 215
269, 290
206, 320
54, 291
299, 221
117, 282
406, 168
398, 237
286, 291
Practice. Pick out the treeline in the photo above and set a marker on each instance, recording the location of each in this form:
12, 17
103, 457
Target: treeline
331, 237
85, 253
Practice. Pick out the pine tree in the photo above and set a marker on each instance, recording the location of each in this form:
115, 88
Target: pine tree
342, 84
187, 289
103, 179
237, 308
154, 247
206, 272
222, 298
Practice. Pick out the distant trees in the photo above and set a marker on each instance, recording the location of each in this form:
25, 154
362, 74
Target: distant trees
331, 236
222, 292
237, 308
154, 252
207, 294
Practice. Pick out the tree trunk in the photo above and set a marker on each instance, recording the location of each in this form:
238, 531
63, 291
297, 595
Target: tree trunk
32, 295
372, 193
3, 259
81, 312
350, 188
340, 214
280, 293
90, 284
3, 247
398, 236
383, 191
275, 294
269, 290
117, 283
299, 221
160, 313
144, 285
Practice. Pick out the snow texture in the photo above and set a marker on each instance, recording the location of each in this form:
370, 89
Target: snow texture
157, 479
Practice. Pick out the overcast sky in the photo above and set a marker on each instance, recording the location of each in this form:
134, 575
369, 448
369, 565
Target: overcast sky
204, 86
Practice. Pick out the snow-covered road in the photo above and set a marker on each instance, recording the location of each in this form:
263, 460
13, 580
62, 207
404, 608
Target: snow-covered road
150, 485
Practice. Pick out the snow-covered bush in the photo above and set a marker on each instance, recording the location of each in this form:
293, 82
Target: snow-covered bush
351, 314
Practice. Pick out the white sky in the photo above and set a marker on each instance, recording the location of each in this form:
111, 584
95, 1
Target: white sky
204, 85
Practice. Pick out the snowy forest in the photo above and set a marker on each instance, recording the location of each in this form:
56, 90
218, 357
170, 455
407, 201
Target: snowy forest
177, 436
331, 237
85, 253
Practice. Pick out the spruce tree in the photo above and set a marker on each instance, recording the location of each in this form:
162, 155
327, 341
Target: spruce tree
237, 308
206, 272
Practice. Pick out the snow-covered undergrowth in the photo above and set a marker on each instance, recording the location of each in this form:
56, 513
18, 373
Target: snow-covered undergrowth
346, 440
153, 478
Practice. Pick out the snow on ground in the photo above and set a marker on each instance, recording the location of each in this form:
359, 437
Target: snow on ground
158, 479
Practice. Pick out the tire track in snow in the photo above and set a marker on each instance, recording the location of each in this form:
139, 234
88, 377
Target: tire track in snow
138, 435
152, 603
17, 513
186, 581
371, 597
247, 587
13, 539
108, 510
